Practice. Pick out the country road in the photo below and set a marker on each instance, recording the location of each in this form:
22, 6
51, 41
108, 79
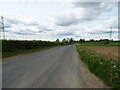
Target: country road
53, 68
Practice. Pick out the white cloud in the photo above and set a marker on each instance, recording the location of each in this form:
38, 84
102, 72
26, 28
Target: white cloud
81, 12
85, 30
80, 20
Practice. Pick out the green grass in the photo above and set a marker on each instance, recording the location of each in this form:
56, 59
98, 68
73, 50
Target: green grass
99, 44
107, 70
19, 52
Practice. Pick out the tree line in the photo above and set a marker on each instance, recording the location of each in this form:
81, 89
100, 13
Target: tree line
71, 40
12, 45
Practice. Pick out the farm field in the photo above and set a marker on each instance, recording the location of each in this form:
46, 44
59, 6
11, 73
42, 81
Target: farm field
102, 61
107, 52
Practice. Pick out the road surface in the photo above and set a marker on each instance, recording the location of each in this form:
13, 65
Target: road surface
53, 68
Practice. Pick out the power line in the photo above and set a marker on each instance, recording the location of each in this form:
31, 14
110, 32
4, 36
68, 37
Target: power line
110, 33
2, 23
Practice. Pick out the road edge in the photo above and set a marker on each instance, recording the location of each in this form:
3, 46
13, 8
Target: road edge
88, 82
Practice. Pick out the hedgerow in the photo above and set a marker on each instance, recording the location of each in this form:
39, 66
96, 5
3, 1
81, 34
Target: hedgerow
12, 45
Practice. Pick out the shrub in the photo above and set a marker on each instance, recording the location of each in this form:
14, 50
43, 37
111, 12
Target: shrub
106, 41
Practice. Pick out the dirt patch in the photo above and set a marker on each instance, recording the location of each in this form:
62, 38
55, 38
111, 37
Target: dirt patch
107, 52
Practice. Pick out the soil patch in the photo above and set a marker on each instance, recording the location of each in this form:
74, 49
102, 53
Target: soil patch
107, 52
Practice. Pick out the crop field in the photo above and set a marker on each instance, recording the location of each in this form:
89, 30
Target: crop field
110, 51
102, 61
107, 52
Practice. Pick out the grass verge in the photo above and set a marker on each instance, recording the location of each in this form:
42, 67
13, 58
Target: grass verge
18, 52
107, 70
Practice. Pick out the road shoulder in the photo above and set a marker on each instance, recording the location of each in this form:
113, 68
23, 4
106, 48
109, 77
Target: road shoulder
89, 78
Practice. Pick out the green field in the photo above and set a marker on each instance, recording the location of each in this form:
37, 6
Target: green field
100, 44
106, 70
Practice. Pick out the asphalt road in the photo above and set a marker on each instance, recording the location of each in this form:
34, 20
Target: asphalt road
53, 68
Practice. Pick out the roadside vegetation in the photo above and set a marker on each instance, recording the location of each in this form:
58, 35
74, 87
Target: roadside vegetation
16, 47
106, 69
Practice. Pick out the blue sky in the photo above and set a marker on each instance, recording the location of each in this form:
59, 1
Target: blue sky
52, 20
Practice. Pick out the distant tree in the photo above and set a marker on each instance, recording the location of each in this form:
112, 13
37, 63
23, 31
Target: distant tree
82, 40
96, 40
92, 40
57, 40
64, 40
111, 40
106, 41
68, 40
100, 40
71, 40
34, 40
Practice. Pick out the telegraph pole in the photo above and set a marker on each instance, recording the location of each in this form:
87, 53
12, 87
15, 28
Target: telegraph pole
110, 33
2, 23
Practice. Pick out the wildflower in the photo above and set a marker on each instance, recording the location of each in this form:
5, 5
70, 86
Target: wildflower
100, 62
114, 66
116, 76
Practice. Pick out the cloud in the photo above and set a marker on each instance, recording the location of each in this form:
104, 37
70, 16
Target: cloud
104, 25
24, 27
81, 20
103, 32
66, 20
81, 12
23, 33
65, 34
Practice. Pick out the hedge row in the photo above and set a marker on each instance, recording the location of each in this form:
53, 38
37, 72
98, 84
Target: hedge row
11, 45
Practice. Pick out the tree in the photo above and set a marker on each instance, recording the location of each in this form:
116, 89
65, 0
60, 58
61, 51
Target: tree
106, 41
92, 40
100, 40
57, 40
64, 40
68, 39
82, 40
71, 40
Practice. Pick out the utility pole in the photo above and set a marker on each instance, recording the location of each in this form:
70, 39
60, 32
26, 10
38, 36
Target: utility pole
110, 33
34, 35
2, 23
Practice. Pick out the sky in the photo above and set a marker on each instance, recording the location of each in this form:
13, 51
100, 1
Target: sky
51, 20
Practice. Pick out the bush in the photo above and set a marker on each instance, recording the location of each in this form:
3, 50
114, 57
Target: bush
106, 41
